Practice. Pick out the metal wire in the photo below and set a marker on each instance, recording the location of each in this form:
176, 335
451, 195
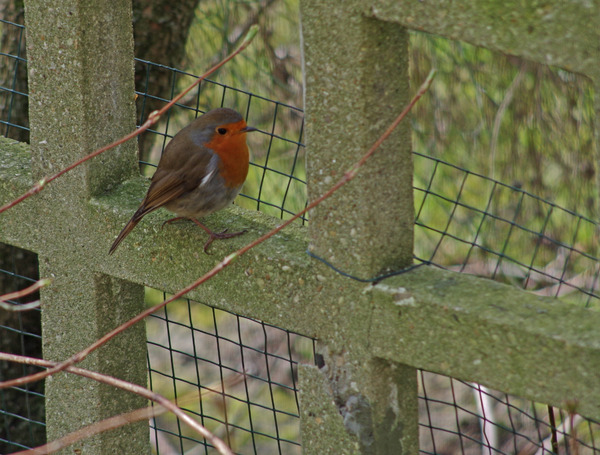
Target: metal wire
21, 408
452, 421
240, 371
13, 78
484, 222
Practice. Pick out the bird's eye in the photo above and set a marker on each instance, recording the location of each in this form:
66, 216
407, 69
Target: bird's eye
222, 131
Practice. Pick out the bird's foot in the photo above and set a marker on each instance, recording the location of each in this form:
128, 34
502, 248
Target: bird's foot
212, 235
220, 236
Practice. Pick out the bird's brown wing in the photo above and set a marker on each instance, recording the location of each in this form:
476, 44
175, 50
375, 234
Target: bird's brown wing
163, 189
182, 168
171, 182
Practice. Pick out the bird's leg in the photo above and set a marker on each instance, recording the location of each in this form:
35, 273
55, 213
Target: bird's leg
216, 235
172, 220
213, 235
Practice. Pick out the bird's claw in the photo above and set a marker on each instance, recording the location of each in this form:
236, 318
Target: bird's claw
220, 236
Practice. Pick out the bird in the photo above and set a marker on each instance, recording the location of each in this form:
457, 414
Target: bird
201, 171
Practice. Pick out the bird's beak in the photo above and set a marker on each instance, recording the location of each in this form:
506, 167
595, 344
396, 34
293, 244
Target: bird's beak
248, 129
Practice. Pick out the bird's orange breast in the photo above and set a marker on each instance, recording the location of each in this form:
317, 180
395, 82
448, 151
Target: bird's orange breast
233, 151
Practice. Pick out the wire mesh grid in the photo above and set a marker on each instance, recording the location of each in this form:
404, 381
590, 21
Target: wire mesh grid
487, 228
21, 408
13, 81
237, 375
466, 418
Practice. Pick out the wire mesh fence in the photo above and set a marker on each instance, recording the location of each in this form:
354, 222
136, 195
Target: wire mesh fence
13, 81
21, 408
238, 375
471, 223
466, 418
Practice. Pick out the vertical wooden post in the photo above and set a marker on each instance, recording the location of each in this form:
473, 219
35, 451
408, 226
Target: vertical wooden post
82, 97
356, 83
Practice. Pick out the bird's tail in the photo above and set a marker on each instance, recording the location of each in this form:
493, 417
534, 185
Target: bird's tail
125, 232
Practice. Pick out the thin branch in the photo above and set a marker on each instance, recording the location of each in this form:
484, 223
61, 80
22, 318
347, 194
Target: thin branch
117, 420
561, 433
553, 431
348, 176
152, 119
6, 305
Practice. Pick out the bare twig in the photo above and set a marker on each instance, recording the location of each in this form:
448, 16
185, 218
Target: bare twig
152, 119
348, 176
561, 433
5, 305
573, 441
553, 432
116, 421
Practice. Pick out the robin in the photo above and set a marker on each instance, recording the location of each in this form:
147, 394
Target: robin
201, 171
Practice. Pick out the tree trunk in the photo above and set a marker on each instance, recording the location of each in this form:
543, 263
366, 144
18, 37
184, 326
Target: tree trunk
160, 32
